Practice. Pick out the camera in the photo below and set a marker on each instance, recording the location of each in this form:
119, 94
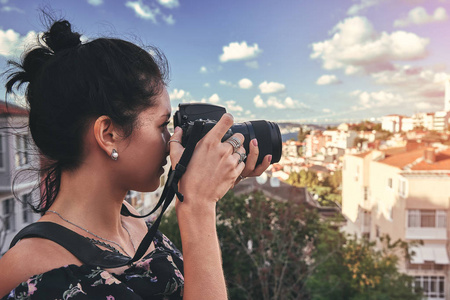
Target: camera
267, 133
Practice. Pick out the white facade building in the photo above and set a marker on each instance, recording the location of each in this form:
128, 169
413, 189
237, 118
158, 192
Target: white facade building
15, 156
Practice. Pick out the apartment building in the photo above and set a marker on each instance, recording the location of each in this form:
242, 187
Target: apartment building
405, 194
15, 155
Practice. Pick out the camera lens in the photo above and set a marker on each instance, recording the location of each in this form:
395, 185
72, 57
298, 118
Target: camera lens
267, 134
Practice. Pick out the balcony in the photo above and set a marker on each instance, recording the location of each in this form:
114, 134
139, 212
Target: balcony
426, 233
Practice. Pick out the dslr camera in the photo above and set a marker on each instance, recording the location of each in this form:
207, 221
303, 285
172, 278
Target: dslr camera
267, 133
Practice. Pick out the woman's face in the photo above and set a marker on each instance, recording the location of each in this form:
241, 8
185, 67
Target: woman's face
143, 155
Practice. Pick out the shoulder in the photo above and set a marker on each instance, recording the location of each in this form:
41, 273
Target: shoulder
30, 257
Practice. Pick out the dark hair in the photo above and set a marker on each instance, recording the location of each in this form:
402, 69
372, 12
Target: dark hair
71, 83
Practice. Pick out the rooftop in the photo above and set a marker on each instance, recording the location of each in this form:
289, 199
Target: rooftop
415, 160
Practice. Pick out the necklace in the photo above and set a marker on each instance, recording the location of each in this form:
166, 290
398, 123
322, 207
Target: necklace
99, 237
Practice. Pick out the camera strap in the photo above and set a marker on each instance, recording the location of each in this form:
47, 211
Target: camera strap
169, 191
90, 254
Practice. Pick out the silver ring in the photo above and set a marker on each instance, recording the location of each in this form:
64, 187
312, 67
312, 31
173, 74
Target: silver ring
175, 141
240, 177
234, 142
242, 156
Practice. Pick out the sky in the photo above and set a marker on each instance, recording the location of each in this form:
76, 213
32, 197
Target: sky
321, 61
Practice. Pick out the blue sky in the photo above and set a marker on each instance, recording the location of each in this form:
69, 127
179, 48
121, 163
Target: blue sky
321, 61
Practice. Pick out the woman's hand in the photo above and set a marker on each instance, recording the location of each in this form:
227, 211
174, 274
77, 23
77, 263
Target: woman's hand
251, 170
214, 166
213, 169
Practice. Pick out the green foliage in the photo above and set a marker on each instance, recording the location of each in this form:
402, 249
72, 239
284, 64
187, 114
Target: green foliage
266, 246
366, 126
303, 178
302, 134
328, 189
281, 250
349, 268
358, 141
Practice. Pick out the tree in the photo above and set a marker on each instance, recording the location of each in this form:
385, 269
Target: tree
302, 134
350, 268
266, 246
328, 189
283, 250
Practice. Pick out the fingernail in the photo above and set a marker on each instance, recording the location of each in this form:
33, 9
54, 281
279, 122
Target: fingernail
177, 129
255, 142
269, 158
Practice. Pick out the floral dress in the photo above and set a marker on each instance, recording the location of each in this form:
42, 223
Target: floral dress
159, 275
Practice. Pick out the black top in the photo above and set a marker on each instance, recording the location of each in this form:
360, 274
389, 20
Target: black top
159, 275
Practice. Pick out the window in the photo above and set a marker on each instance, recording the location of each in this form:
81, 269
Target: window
27, 213
433, 286
366, 193
427, 218
389, 183
402, 188
2, 152
23, 148
8, 214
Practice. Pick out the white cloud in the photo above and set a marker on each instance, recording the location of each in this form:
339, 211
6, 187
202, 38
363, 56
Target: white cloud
252, 64
245, 83
419, 15
327, 79
203, 69
206, 84
287, 103
356, 46
177, 94
380, 99
13, 44
326, 110
214, 98
95, 2
259, 102
143, 11
8, 9
415, 82
226, 83
362, 6
271, 87
423, 106
239, 51
169, 3
232, 106
168, 19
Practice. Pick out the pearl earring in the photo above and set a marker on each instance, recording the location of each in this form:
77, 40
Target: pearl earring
114, 154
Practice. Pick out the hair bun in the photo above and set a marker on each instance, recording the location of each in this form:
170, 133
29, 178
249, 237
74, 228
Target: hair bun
60, 36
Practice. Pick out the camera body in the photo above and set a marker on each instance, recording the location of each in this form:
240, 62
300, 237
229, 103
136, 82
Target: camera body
267, 133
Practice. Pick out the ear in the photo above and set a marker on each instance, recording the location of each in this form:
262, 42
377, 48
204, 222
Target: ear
106, 134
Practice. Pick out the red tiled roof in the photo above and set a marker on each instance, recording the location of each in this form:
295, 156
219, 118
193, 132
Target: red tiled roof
402, 159
11, 109
442, 161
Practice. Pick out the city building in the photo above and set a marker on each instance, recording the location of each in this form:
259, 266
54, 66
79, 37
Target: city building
313, 143
441, 120
392, 123
15, 156
447, 95
404, 193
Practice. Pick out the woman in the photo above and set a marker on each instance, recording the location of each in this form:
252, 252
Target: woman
98, 114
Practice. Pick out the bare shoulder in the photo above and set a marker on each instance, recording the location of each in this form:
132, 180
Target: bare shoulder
30, 257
